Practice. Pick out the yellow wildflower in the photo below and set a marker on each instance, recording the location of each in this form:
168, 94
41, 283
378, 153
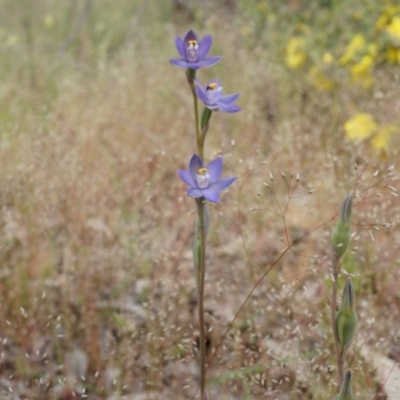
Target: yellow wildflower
361, 73
360, 127
318, 80
372, 49
381, 22
382, 136
392, 10
295, 55
355, 47
393, 55
48, 21
393, 30
327, 58
387, 14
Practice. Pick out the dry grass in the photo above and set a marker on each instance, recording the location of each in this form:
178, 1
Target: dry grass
97, 295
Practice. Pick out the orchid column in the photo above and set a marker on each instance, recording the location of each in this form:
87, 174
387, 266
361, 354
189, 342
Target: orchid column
203, 179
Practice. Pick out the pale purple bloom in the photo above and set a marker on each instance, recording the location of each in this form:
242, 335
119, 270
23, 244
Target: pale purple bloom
212, 97
204, 181
194, 52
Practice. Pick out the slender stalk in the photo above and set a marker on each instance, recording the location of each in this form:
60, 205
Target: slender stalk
190, 75
202, 272
199, 139
202, 267
336, 261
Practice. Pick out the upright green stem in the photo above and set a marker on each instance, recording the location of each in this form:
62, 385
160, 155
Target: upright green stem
201, 230
336, 269
202, 272
199, 139
191, 75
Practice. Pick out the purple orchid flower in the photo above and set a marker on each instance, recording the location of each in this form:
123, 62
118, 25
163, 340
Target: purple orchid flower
204, 181
194, 52
212, 97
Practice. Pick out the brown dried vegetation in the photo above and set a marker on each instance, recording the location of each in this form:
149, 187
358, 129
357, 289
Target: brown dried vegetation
97, 293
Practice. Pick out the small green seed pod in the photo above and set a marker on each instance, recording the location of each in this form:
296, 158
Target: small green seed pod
341, 232
346, 319
346, 392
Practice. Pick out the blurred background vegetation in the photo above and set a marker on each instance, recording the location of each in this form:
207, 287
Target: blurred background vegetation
97, 296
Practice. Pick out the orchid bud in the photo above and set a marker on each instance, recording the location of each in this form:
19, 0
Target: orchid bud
346, 319
341, 232
346, 392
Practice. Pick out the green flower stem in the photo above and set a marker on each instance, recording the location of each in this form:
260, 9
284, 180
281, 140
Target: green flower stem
201, 236
191, 76
199, 137
201, 274
336, 261
199, 250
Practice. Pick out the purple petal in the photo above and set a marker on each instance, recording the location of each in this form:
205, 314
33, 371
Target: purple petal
204, 46
207, 61
180, 63
211, 195
195, 164
214, 169
193, 192
222, 184
199, 85
187, 178
190, 36
202, 95
181, 47
229, 99
232, 108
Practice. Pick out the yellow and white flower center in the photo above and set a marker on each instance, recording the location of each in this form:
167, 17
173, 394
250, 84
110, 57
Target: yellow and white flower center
192, 50
203, 178
213, 92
